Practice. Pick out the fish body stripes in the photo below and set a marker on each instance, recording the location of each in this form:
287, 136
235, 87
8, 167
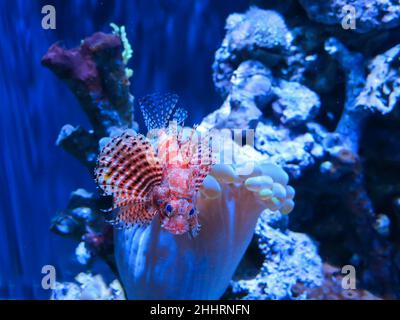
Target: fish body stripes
161, 177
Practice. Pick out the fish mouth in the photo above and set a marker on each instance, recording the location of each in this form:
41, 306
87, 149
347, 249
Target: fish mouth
175, 225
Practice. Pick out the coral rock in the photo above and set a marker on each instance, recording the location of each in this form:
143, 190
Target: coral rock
296, 104
88, 287
382, 89
96, 74
377, 15
257, 34
289, 258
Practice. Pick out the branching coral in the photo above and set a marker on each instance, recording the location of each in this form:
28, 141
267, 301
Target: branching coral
95, 73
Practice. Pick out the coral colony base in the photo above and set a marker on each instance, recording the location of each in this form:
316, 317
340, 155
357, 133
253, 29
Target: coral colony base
312, 103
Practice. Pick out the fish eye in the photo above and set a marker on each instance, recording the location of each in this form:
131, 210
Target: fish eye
168, 209
191, 212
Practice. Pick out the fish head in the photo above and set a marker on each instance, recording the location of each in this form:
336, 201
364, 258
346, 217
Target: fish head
177, 215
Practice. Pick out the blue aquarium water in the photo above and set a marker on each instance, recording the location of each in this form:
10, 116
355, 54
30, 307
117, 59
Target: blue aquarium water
313, 85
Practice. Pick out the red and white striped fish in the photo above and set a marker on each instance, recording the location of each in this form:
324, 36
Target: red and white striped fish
159, 175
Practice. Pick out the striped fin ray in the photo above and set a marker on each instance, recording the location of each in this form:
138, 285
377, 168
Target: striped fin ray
158, 109
180, 116
130, 213
202, 161
127, 168
188, 146
194, 226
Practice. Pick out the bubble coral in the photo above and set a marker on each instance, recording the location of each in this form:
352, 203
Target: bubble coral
154, 264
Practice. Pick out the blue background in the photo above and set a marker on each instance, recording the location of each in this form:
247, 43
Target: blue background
174, 44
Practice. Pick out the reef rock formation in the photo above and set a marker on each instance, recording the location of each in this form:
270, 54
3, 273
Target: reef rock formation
257, 34
317, 112
289, 259
332, 288
318, 143
380, 14
381, 92
88, 287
